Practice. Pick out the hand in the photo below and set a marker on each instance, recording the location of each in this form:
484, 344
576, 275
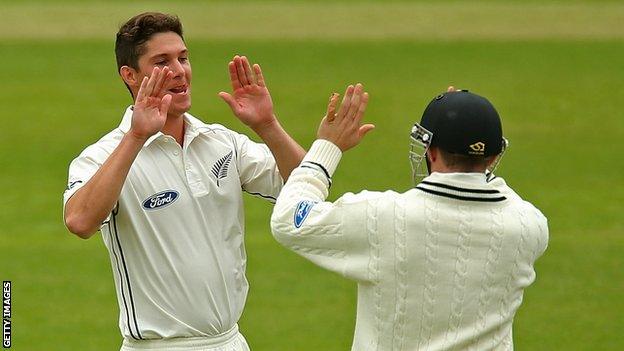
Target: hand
250, 99
344, 128
151, 106
452, 89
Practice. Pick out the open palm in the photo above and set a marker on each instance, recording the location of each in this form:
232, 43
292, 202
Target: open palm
150, 107
250, 99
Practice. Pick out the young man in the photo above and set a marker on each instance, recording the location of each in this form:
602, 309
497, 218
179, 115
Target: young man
165, 190
442, 266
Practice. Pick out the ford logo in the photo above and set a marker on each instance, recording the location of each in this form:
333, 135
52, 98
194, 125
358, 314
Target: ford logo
161, 199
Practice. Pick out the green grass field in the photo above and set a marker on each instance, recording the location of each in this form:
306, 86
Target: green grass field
553, 70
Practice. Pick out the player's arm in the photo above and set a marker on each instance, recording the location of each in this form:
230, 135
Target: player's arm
328, 234
251, 102
90, 205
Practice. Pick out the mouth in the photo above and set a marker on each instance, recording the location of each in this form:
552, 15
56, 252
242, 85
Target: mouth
179, 90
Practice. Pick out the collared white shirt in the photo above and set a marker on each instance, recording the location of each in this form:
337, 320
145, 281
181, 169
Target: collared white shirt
175, 238
442, 266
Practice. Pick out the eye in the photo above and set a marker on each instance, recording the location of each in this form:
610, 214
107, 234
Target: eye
183, 59
161, 63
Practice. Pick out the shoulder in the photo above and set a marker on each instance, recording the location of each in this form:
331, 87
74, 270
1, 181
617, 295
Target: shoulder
220, 133
366, 196
101, 149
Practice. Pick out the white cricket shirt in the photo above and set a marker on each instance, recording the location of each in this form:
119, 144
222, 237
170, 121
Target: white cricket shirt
442, 266
175, 238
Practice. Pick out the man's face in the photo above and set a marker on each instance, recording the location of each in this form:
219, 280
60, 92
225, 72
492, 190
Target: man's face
168, 49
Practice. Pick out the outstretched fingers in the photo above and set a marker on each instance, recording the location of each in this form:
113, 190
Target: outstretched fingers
331, 107
236, 84
247, 67
240, 71
164, 104
355, 100
141, 94
259, 76
360, 114
346, 103
163, 80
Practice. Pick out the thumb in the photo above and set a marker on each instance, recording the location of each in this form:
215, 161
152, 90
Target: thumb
164, 104
365, 129
229, 100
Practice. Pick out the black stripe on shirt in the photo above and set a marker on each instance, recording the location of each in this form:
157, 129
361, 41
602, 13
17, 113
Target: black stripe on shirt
121, 282
123, 261
261, 195
459, 197
450, 187
321, 167
316, 169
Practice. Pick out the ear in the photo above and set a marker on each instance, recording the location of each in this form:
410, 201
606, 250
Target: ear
432, 154
130, 76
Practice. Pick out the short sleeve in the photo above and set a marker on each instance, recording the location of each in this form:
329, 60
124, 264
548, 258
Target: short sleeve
258, 172
83, 167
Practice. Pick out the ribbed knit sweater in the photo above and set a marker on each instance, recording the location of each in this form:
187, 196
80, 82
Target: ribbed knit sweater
442, 266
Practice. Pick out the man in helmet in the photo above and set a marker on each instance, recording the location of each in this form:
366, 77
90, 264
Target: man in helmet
441, 266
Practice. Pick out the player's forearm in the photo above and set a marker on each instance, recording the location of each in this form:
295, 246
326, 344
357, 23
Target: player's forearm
88, 207
308, 186
288, 154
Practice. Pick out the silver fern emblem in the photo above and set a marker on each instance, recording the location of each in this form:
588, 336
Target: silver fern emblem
220, 168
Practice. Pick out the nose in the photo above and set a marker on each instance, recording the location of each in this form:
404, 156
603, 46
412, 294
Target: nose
177, 69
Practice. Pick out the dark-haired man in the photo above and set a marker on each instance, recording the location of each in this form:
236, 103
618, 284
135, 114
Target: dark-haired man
442, 266
165, 190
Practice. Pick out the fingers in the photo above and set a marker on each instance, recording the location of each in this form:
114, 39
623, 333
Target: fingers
361, 108
259, 75
247, 67
141, 94
240, 71
154, 84
365, 129
331, 107
164, 104
346, 103
355, 100
450, 89
149, 89
236, 84
163, 79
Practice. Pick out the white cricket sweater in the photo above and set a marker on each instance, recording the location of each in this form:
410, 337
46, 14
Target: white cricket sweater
442, 266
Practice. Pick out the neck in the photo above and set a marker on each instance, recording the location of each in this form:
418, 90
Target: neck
174, 126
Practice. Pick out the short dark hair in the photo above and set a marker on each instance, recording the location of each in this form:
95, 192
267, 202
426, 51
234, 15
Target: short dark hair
464, 163
132, 36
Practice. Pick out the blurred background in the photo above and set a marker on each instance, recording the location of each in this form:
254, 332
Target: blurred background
553, 69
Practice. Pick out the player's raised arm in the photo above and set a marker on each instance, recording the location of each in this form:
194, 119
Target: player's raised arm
301, 209
344, 128
90, 205
251, 102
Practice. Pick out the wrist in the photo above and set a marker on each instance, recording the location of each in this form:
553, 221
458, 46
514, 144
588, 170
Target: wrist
326, 153
267, 127
135, 137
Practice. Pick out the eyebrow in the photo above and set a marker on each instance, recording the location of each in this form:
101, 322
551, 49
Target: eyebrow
159, 56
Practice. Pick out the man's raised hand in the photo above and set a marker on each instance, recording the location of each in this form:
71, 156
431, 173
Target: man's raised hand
250, 99
344, 128
151, 104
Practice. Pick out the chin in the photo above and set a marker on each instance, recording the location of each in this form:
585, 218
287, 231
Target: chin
180, 107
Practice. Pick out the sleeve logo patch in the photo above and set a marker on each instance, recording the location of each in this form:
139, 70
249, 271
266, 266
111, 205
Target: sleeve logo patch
302, 211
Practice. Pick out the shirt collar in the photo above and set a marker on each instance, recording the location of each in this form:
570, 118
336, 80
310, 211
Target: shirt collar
461, 179
461, 186
192, 126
